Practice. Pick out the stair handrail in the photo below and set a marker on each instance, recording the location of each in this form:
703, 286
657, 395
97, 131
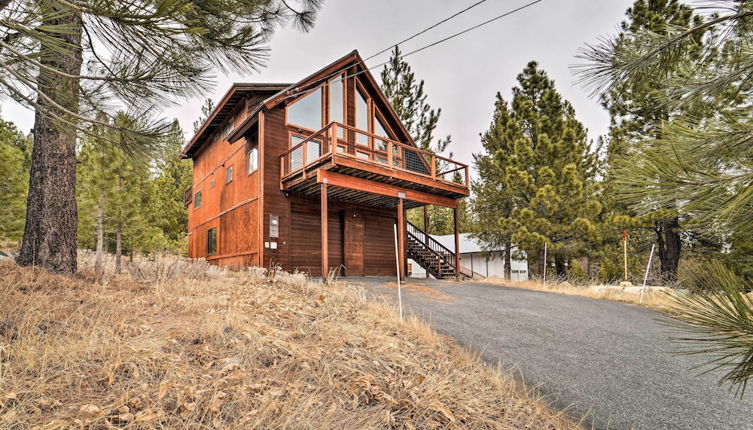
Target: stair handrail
431, 242
443, 258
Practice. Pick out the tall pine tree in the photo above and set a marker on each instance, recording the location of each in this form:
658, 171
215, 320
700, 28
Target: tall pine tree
15, 152
72, 61
638, 113
548, 168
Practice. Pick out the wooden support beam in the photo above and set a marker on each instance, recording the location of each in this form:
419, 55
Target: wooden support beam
325, 238
457, 243
373, 187
401, 237
426, 180
426, 229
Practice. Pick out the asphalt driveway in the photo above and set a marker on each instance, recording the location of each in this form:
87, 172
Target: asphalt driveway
608, 363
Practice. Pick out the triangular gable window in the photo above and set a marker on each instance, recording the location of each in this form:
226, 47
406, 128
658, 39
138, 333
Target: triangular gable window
306, 112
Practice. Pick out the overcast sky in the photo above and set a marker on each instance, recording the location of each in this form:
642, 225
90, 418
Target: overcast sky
462, 75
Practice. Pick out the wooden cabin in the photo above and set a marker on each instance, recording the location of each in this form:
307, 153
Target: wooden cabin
316, 176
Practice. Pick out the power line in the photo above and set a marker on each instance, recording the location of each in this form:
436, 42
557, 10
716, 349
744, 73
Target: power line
426, 29
415, 51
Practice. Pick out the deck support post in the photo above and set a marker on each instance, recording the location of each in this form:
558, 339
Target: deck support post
426, 229
401, 237
325, 238
457, 243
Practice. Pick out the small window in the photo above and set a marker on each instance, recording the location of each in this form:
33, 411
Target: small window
197, 200
229, 175
230, 126
253, 160
211, 183
212, 241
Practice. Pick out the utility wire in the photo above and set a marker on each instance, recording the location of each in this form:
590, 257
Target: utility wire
415, 51
426, 29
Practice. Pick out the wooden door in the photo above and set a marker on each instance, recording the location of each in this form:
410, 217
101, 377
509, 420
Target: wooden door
379, 246
354, 226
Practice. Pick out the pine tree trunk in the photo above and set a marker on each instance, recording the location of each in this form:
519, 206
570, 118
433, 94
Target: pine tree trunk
668, 238
51, 216
508, 261
541, 266
118, 246
561, 266
100, 234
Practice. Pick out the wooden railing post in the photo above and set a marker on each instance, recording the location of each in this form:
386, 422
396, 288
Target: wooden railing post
433, 166
389, 154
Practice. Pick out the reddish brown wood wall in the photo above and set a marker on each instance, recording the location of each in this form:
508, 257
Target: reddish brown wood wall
232, 208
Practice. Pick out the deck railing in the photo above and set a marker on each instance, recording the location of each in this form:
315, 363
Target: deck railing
348, 141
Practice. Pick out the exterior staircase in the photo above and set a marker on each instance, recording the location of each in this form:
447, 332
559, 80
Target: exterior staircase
434, 257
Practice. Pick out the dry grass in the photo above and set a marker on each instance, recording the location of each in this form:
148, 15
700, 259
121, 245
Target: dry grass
657, 300
170, 344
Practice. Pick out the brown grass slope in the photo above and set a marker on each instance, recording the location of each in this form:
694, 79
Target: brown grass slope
188, 346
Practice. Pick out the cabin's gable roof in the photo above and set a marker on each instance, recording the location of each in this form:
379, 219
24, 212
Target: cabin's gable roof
280, 94
229, 102
300, 89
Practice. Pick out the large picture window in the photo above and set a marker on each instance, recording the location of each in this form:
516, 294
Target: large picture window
306, 112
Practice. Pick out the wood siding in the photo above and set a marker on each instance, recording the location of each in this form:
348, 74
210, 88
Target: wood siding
232, 208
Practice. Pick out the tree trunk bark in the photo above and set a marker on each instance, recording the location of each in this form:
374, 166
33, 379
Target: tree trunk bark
52, 216
668, 238
100, 234
508, 261
561, 266
118, 246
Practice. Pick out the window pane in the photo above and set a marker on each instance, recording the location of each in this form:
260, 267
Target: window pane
362, 112
307, 111
211, 241
380, 129
197, 200
229, 175
253, 160
336, 100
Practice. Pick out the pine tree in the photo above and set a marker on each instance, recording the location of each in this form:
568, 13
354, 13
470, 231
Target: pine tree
637, 115
174, 177
138, 54
549, 171
14, 154
704, 164
492, 198
206, 110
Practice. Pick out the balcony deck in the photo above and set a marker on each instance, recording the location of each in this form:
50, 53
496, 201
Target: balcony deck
370, 169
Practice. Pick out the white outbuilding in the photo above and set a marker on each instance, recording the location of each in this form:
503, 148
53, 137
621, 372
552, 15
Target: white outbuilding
484, 262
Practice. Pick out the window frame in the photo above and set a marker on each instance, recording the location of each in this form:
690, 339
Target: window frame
255, 150
323, 106
228, 174
213, 249
360, 88
197, 198
229, 127
344, 78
